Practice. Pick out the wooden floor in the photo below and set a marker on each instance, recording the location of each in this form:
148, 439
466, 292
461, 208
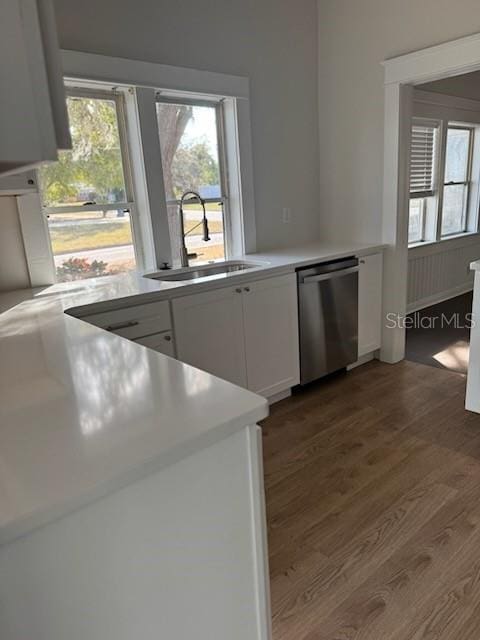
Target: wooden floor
373, 506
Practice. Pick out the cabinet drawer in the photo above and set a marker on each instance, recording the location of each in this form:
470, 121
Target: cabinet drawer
134, 322
161, 342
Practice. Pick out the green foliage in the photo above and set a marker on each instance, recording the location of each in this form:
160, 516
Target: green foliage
95, 161
193, 166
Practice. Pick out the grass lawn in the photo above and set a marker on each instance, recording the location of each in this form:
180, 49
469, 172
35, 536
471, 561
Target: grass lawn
96, 236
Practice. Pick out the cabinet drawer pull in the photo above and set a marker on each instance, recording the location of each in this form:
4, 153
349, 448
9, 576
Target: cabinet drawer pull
238, 290
168, 338
247, 289
122, 325
362, 261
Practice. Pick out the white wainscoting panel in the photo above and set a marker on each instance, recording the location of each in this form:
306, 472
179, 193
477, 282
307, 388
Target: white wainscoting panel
440, 271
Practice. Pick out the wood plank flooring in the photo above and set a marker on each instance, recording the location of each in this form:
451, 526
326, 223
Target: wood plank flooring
373, 507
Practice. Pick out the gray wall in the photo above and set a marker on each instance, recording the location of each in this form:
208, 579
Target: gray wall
355, 36
464, 86
273, 42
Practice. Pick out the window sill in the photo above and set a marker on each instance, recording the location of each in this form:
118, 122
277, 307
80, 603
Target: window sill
437, 246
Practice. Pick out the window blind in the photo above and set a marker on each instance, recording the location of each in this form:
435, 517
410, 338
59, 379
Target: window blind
422, 160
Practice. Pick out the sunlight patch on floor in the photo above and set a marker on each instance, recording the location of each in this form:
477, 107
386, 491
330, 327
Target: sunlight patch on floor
455, 356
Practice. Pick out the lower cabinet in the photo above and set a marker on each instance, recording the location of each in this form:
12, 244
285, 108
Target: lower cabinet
270, 317
370, 303
209, 333
161, 342
246, 334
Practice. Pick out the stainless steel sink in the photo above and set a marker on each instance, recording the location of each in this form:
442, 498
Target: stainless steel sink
194, 273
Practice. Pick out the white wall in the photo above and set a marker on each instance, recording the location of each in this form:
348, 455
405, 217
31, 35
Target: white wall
355, 36
13, 266
273, 42
440, 271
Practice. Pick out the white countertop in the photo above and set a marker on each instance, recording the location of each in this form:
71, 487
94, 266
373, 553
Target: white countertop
84, 412
475, 266
119, 291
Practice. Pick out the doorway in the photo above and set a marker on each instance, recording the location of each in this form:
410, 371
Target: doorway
402, 75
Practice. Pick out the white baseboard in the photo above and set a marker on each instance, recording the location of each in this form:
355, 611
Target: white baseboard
439, 297
362, 360
279, 396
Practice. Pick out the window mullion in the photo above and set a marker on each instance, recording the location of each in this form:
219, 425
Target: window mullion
466, 208
152, 178
441, 180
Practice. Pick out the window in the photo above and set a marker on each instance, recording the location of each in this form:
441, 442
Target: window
444, 180
87, 194
423, 155
112, 203
193, 159
457, 180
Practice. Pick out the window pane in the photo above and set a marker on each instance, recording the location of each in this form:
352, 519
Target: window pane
415, 220
89, 244
190, 158
456, 161
191, 162
92, 171
453, 210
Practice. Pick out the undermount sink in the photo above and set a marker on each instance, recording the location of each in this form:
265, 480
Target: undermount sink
194, 273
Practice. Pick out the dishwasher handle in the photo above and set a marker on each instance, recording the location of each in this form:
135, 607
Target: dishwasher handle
329, 276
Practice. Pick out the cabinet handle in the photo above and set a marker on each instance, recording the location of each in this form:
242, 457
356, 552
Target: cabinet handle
247, 289
238, 290
168, 338
362, 261
122, 325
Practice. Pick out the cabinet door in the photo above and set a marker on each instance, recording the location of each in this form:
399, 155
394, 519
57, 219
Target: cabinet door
370, 303
161, 342
209, 332
271, 334
33, 117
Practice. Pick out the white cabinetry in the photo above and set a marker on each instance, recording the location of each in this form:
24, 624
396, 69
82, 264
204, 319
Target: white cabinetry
180, 553
209, 333
161, 342
247, 334
33, 116
146, 324
370, 303
270, 315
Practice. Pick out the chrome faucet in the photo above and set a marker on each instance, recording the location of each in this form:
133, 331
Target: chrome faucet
192, 196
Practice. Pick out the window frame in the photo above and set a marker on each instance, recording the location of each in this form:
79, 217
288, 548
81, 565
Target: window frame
117, 96
467, 183
217, 103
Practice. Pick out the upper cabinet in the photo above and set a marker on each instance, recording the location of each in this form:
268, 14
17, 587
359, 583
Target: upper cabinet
33, 113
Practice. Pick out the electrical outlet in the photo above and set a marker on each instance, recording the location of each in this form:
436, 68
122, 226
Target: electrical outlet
286, 215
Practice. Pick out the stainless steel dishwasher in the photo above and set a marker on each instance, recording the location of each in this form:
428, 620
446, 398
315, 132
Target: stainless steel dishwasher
328, 317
